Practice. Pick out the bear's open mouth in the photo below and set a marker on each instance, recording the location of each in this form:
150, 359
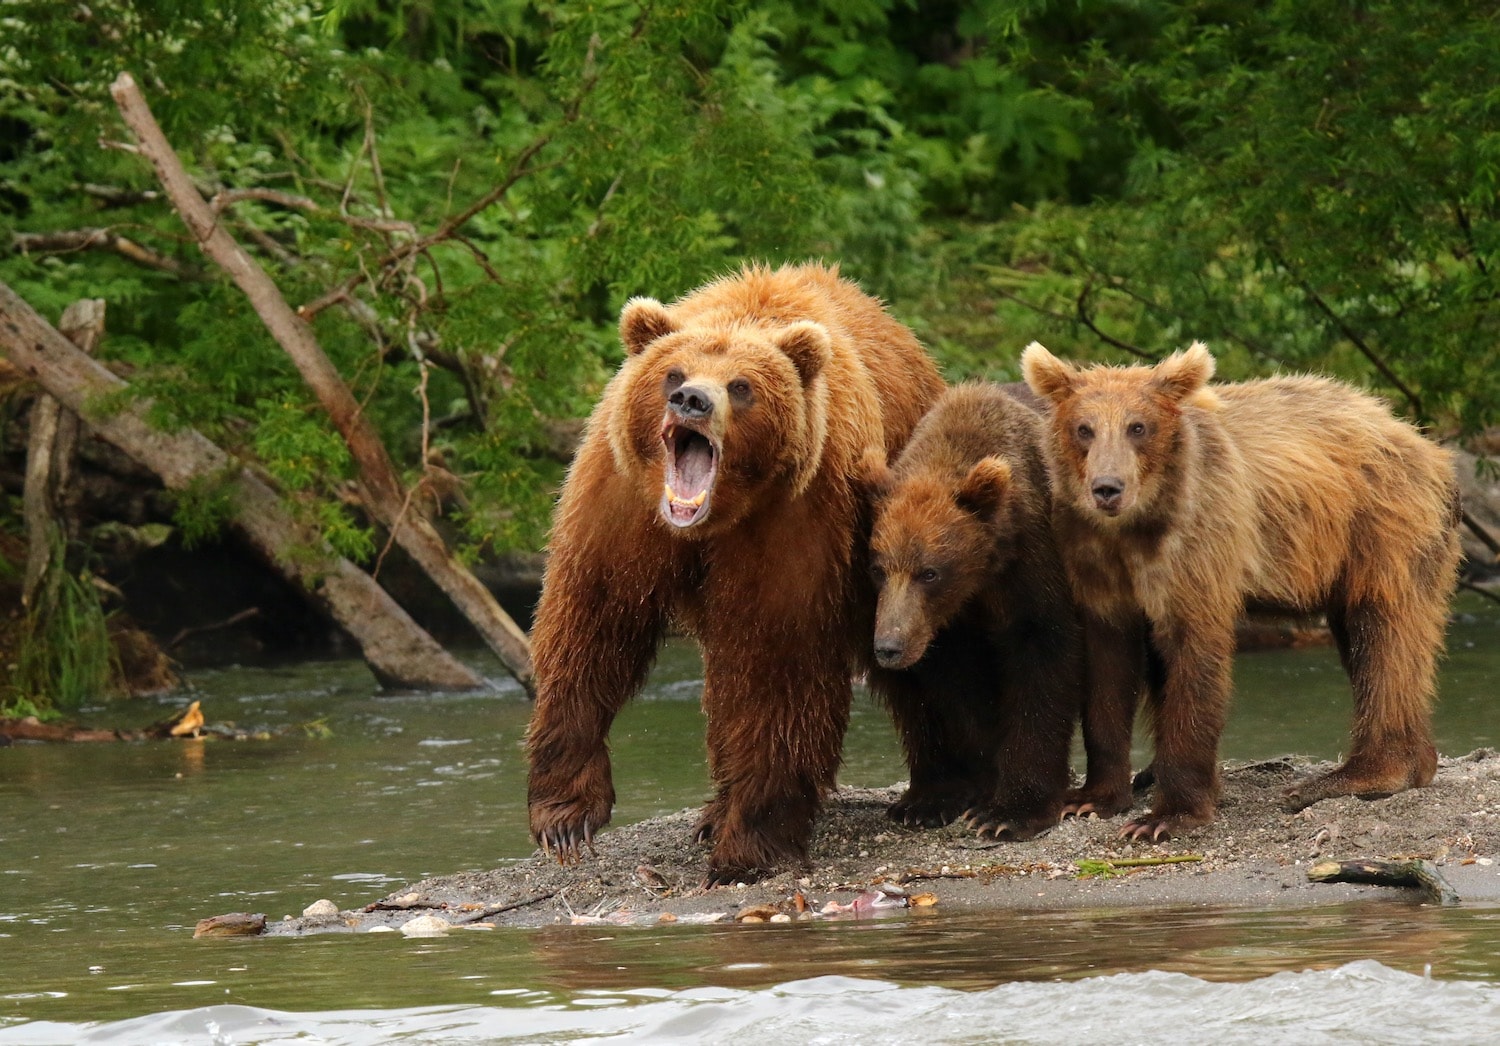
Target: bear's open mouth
692, 464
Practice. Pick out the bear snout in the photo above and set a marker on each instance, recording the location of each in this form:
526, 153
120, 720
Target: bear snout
1109, 492
691, 402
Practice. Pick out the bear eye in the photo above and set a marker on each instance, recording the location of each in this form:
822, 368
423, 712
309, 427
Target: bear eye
928, 576
1085, 432
877, 574
1136, 428
739, 388
674, 378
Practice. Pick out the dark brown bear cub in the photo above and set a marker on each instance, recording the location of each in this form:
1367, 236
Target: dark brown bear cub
978, 645
716, 490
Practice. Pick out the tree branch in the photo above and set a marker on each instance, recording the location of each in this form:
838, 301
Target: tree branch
99, 240
385, 496
1413, 400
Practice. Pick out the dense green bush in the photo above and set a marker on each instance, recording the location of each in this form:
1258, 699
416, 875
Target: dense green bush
1305, 187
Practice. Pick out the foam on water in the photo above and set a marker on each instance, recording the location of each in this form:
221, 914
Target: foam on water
1361, 1002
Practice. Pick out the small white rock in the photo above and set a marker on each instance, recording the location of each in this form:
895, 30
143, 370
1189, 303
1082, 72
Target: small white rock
426, 926
381, 928
324, 909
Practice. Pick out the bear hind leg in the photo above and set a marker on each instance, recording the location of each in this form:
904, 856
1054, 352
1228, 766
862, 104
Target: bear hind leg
1390, 653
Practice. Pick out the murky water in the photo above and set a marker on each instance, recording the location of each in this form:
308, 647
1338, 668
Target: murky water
109, 853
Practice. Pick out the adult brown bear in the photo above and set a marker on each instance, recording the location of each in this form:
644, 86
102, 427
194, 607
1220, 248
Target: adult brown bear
1177, 503
978, 645
716, 489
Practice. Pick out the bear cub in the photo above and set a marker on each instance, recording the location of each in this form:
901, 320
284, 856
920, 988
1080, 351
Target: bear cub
978, 645
1178, 503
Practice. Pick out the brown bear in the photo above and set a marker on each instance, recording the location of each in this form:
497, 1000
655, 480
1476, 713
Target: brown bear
1177, 504
716, 489
978, 646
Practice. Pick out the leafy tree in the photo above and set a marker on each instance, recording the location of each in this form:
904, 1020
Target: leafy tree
1325, 199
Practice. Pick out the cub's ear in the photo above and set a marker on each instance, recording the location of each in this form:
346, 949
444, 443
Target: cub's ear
642, 321
1184, 373
873, 476
809, 347
1048, 376
983, 489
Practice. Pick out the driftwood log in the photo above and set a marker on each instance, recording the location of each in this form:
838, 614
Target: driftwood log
395, 647
381, 489
1416, 875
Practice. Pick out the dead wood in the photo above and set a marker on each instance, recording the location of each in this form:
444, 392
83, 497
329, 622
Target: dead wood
1417, 875
381, 489
397, 650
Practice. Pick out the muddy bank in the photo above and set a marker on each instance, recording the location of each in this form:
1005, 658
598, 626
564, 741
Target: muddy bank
1254, 854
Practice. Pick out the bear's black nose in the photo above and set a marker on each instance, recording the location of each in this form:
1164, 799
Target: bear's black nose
888, 650
690, 401
1107, 492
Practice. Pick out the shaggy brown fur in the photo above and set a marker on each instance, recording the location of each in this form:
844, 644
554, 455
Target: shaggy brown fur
715, 487
977, 642
1176, 504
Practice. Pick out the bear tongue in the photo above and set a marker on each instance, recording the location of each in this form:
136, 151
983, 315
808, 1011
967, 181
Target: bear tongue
691, 466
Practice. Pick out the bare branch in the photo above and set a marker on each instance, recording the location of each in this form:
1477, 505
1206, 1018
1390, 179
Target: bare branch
1412, 399
384, 495
101, 240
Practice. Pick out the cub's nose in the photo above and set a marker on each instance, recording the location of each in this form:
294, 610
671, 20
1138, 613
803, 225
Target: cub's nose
690, 402
888, 650
1107, 493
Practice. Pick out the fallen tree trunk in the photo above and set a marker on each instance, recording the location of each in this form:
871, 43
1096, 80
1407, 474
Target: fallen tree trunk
382, 491
397, 650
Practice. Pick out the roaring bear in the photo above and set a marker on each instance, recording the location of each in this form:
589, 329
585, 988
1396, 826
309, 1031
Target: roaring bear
717, 489
1176, 504
978, 646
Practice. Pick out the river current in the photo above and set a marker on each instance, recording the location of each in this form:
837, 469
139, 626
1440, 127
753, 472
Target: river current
110, 853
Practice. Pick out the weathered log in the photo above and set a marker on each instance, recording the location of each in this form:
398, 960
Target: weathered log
51, 444
397, 650
1417, 875
381, 488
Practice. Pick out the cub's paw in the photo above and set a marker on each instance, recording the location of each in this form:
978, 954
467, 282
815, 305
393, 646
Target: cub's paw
1154, 828
1001, 822
1095, 801
931, 806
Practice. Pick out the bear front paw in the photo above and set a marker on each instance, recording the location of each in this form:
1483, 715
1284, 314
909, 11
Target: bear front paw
1155, 828
1095, 802
999, 822
931, 806
564, 828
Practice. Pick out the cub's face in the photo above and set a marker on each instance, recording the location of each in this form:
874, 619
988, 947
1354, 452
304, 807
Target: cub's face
714, 419
1115, 430
932, 548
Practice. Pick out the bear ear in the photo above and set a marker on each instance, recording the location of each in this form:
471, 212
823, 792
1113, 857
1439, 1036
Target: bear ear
1048, 376
1184, 373
873, 475
983, 489
808, 346
642, 321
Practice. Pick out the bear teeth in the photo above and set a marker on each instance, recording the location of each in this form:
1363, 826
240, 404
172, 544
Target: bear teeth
696, 502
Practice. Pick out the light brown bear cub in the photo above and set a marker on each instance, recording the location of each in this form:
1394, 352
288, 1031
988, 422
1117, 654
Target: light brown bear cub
1176, 504
716, 489
978, 646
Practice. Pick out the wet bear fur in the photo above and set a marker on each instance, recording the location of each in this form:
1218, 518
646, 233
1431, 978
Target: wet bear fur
715, 490
978, 645
1177, 504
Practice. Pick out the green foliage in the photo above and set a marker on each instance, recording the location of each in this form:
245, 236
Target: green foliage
64, 656
462, 195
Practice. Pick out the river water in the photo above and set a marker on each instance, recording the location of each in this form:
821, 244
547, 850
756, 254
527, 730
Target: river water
110, 853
